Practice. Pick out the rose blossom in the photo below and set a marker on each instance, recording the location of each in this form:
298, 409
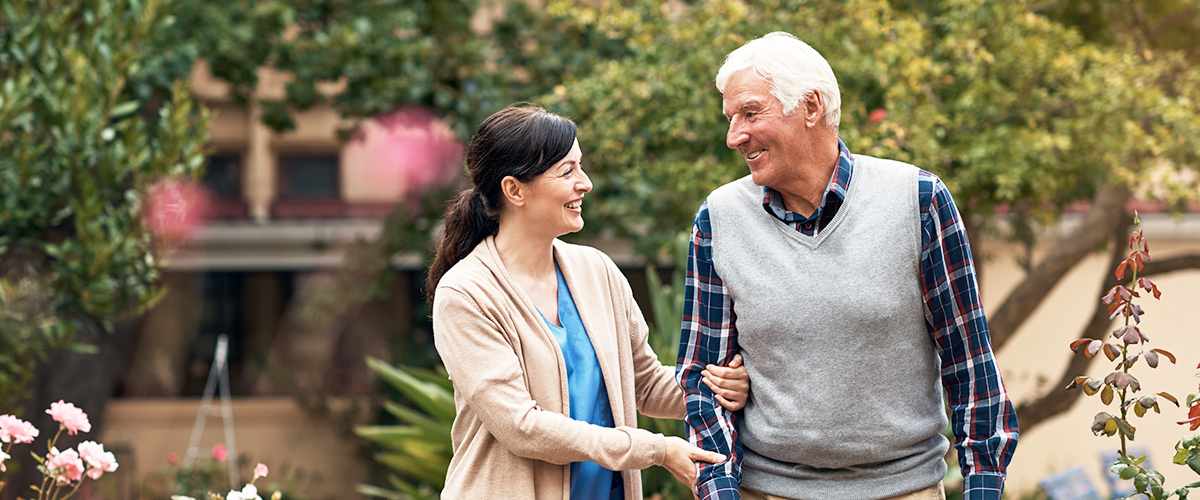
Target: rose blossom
247, 493
72, 418
15, 430
66, 466
260, 470
218, 452
100, 461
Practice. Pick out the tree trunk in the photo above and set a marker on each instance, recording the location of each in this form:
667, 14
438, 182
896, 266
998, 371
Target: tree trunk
1106, 214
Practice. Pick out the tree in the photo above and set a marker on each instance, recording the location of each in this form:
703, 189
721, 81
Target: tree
80, 148
1014, 111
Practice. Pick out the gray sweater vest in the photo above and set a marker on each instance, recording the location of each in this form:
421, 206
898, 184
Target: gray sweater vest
846, 399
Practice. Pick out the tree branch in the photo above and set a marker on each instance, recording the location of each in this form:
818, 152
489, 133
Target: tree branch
1106, 214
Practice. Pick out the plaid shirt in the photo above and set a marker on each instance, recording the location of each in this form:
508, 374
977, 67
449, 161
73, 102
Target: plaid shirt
983, 419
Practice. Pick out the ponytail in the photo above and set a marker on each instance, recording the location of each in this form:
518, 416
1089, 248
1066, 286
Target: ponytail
468, 221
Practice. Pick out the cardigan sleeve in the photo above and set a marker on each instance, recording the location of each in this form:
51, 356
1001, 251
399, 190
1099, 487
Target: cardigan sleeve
657, 393
488, 376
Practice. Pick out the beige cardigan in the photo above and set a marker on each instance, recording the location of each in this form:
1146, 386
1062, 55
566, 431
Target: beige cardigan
513, 437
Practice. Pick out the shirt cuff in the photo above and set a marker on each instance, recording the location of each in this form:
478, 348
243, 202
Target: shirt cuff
720, 488
983, 486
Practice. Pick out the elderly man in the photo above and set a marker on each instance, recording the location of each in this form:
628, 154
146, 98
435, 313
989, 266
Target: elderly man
847, 284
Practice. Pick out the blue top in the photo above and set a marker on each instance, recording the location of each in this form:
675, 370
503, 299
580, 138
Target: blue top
587, 393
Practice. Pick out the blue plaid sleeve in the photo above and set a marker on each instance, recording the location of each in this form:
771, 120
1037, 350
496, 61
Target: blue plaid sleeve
982, 417
708, 337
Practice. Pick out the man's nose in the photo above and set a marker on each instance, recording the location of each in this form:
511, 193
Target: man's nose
736, 135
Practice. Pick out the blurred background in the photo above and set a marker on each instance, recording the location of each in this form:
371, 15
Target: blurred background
273, 171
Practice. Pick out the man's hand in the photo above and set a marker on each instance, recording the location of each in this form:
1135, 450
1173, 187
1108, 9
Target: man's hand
730, 385
681, 458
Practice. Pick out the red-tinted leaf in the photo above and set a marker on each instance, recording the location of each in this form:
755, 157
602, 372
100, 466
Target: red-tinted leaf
1123, 292
1111, 296
1149, 286
1121, 270
1101, 421
1151, 358
1079, 343
1092, 386
1077, 382
1193, 419
1139, 263
1120, 380
1111, 351
1168, 355
1134, 384
1132, 240
1169, 397
1132, 359
1093, 348
1136, 311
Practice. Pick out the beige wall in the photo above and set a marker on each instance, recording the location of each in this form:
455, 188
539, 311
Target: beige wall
273, 431
1035, 357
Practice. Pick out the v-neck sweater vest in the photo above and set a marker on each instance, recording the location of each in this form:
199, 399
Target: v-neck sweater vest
846, 399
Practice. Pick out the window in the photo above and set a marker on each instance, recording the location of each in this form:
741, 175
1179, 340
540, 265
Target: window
223, 176
309, 177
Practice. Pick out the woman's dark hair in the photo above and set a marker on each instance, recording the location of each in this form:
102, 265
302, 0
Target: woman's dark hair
521, 140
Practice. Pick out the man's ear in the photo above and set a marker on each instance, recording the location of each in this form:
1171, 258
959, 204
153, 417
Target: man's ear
514, 191
814, 108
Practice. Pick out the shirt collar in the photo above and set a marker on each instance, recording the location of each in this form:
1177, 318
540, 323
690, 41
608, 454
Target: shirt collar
839, 182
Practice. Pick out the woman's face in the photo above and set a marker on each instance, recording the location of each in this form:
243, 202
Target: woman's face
556, 196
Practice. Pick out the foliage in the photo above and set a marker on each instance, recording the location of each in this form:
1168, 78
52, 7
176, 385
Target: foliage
666, 304
1120, 386
1006, 106
419, 450
79, 148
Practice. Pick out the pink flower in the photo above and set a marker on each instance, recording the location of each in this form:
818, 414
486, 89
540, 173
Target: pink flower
65, 466
173, 458
174, 209
260, 470
218, 452
15, 430
73, 419
413, 147
877, 115
98, 460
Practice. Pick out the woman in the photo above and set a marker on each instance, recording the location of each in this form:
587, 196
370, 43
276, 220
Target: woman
542, 339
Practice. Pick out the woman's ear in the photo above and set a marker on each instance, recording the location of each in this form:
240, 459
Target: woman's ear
513, 190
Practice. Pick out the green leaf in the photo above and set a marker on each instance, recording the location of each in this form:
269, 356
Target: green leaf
429, 397
1193, 460
1128, 472
125, 108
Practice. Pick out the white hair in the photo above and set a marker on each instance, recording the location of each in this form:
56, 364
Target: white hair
794, 69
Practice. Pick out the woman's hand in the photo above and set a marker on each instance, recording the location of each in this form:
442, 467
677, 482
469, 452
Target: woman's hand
731, 384
681, 458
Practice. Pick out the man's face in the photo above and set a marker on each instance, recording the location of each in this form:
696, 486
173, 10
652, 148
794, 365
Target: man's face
773, 145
